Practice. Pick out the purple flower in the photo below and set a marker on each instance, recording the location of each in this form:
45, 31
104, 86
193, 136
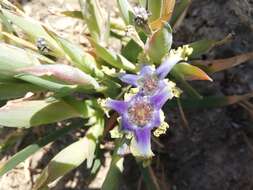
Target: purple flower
140, 115
150, 81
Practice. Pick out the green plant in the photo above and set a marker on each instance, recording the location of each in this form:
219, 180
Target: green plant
146, 62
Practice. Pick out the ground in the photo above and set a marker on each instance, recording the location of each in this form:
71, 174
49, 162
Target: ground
215, 152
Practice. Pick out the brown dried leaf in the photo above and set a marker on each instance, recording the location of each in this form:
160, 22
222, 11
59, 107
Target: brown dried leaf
223, 64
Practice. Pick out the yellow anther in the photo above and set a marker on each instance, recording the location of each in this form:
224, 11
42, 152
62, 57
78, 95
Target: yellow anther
184, 52
161, 129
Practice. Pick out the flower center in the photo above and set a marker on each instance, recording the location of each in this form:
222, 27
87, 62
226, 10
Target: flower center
140, 113
149, 84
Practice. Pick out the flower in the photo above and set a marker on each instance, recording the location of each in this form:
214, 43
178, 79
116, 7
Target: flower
150, 80
139, 115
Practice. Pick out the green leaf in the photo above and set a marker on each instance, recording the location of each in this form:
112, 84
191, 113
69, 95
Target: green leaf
63, 73
179, 12
72, 156
16, 90
159, 44
203, 46
20, 41
48, 83
6, 25
25, 113
94, 18
149, 178
131, 51
22, 155
79, 57
155, 8
73, 14
114, 59
112, 180
125, 9
191, 72
185, 85
133, 48
33, 28
9, 63
142, 3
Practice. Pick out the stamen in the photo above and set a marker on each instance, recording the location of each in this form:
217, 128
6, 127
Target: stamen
149, 84
140, 113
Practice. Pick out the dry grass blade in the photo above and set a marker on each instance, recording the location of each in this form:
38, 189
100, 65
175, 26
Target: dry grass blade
223, 64
20, 41
153, 177
184, 6
182, 114
247, 106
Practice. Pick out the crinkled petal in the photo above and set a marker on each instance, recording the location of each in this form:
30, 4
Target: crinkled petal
146, 70
126, 124
141, 143
156, 121
118, 106
159, 99
161, 85
129, 79
169, 62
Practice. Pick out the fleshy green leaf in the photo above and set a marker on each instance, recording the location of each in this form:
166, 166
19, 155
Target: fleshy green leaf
94, 18
25, 113
114, 59
73, 14
191, 72
185, 85
48, 83
203, 46
72, 156
112, 180
22, 155
16, 90
125, 9
159, 44
5, 24
79, 57
9, 63
33, 28
23, 43
155, 8
149, 178
20, 41
65, 73
131, 51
